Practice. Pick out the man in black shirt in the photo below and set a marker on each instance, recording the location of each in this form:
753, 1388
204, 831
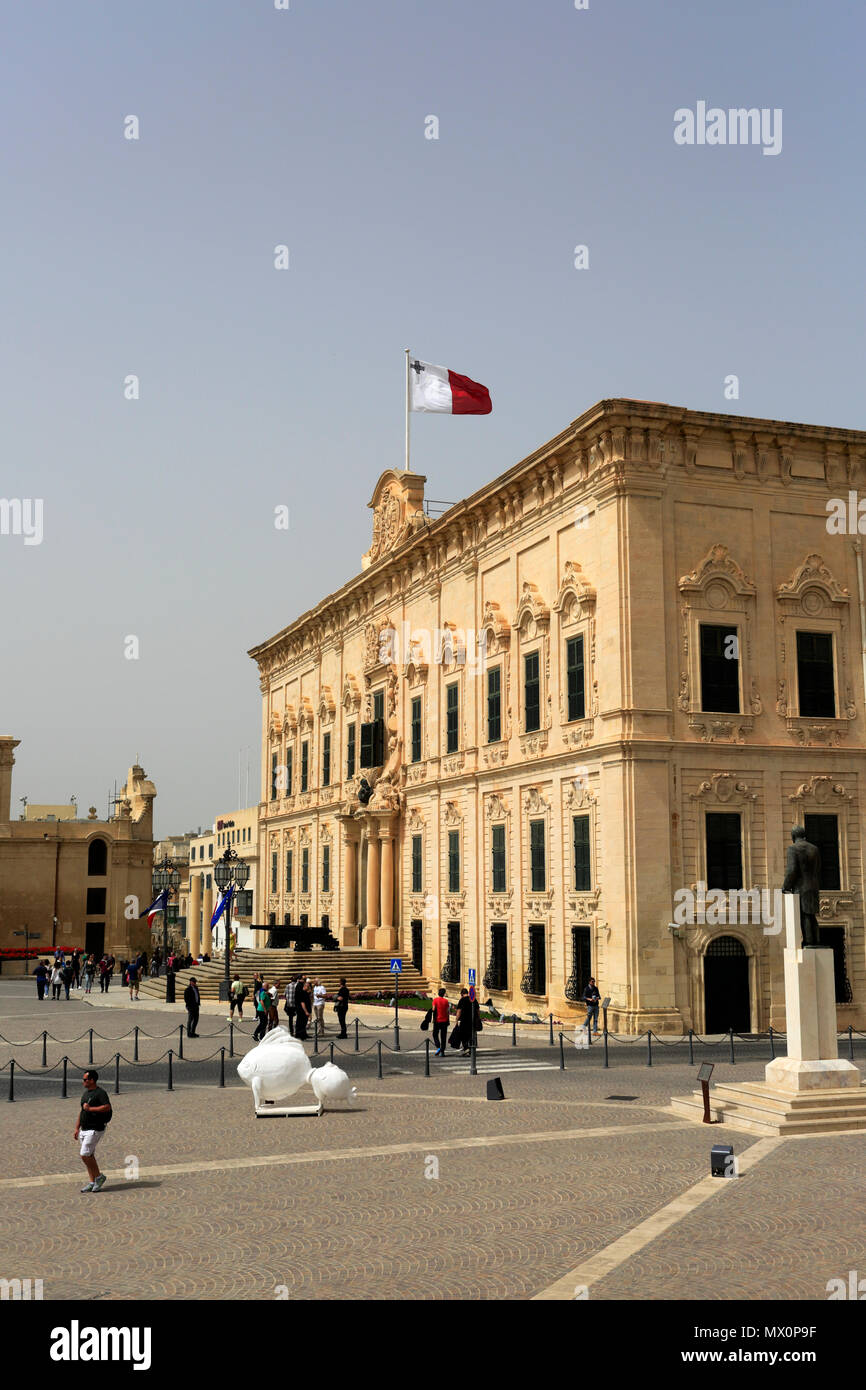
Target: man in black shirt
94, 1115
192, 1000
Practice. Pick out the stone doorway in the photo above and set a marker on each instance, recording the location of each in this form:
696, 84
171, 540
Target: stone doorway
726, 986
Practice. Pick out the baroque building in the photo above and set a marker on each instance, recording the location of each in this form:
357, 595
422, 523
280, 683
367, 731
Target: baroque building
622, 670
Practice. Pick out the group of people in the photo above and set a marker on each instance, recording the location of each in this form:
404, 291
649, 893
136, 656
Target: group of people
467, 1022
75, 971
304, 1001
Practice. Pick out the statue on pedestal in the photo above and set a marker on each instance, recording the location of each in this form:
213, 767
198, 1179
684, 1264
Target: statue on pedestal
803, 876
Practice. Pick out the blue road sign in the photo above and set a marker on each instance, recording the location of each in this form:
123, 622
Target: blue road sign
472, 993
396, 967
472, 977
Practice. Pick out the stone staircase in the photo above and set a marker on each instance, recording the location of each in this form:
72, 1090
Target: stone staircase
366, 972
754, 1108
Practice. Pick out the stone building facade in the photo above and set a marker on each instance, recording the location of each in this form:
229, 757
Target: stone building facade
624, 669
77, 882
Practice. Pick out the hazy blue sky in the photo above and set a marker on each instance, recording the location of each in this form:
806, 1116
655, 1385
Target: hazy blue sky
260, 387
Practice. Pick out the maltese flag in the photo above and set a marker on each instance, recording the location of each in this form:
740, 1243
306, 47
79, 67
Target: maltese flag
436, 390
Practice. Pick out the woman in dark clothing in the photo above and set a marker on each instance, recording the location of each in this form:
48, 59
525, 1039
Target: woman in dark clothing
463, 1026
303, 1004
342, 1007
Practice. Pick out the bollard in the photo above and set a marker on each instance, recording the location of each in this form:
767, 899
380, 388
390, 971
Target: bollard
772, 1048
604, 1040
396, 1037
231, 1039
222, 1066
12, 1079
170, 1073
135, 1044
331, 1048
691, 1048
733, 1058
45, 1049
473, 1063
63, 1083
513, 1030
90, 1049
117, 1073
426, 1056
649, 1047
180, 1042
379, 1065
588, 1034
850, 1043
551, 1030
357, 1043
316, 1036
561, 1054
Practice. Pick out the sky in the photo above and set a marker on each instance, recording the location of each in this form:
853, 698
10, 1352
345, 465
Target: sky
261, 387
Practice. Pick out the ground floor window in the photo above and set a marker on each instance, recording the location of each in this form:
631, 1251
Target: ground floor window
535, 979
451, 968
834, 938
581, 963
496, 975
418, 944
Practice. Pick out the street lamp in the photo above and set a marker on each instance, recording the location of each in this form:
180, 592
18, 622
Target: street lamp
229, 869
166, 879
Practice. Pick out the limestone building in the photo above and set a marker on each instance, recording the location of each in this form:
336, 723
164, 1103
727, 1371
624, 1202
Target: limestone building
236, 831
624, 668
77, 882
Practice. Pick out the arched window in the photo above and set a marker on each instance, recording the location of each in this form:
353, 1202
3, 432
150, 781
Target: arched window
97, 859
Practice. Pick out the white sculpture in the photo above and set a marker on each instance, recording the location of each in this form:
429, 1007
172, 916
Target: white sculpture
333, 1088
278, 1067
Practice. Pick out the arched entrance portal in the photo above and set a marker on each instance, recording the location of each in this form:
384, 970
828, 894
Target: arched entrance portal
726, 986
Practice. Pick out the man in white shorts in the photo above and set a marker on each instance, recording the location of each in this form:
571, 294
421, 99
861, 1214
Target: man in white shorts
94, 1115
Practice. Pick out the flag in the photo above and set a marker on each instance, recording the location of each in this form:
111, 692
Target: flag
158, 905
224, 900
436, 390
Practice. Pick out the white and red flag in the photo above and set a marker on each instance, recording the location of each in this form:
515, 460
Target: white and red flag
439, 391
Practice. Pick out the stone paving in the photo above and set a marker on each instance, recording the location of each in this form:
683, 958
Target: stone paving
427, 1191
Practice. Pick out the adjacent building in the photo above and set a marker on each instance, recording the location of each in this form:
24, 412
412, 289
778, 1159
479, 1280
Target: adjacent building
236, 831
623, 669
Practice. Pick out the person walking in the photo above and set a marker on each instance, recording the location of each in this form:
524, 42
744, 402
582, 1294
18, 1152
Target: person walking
237, 995
465, 1022
289, 1005
42, 977
441, 1015
132, 974
76, 969
304, 1006
341, 1007
56, 980
89, 972
320, 994
591, 999
94, 1115
192, 1000
263, 1007
273, 992
67, 975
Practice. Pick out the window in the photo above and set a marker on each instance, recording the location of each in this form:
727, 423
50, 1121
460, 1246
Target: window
274, 776
581, 962
497, 843
326, 868
451, 968
582, 864
274, 869
494, 704
379, 705
210, 850
305, 765
575, 680
834, 939
538, 867
350, 751
305, 870
97, 859
290, 764
416, 729
823, 831
326, 760
452, 706
453, 861
496, 976
531, 692
208, 884
535, 979
373, 743
417, 867
244, 902
95, 902
290, 863
724, 850
815, 681
417, 943
720, 669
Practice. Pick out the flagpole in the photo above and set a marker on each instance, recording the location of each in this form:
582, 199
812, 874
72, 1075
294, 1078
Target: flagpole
406, 465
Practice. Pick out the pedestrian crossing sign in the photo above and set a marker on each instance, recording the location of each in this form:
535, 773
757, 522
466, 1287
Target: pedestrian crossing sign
396, 966
472, 977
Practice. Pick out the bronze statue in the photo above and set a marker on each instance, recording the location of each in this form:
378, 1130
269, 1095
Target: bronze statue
803, 876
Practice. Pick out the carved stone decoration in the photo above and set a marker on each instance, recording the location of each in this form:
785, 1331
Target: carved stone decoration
327, 707
813, 573
398, 512
724, 787
534, 802
718, 563
452, 813
533, 615
276, 725
822, 789
717, 585
416, 820
813, 596
496, 807
351, 698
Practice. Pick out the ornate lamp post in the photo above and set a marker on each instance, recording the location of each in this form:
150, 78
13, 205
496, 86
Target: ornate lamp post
166, 877
229, 869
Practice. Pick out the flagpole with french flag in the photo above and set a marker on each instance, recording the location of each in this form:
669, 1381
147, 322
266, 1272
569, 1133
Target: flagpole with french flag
439, 391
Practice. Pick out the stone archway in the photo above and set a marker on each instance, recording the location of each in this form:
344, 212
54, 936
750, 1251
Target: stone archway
727, 993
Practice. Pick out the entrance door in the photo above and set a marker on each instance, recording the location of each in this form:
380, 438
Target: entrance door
94, 939
418, 944
726, 986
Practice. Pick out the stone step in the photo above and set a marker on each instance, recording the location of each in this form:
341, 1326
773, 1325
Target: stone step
365, 972
775, 1115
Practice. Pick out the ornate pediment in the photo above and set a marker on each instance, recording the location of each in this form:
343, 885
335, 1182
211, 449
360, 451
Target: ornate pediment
717, 565
534, 802
532, 615
276, 726
494, 625
813, 574
327, 708
496, 807
452, 813
398, 511
576, 597
351, 697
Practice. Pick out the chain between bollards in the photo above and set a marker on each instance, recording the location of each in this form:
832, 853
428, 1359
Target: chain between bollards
561, 1054
426, 1056
63, 1091
12, 1079
222, 1066
649, 1047
379, 1061
357, 1041
170, 1071
45, 1049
